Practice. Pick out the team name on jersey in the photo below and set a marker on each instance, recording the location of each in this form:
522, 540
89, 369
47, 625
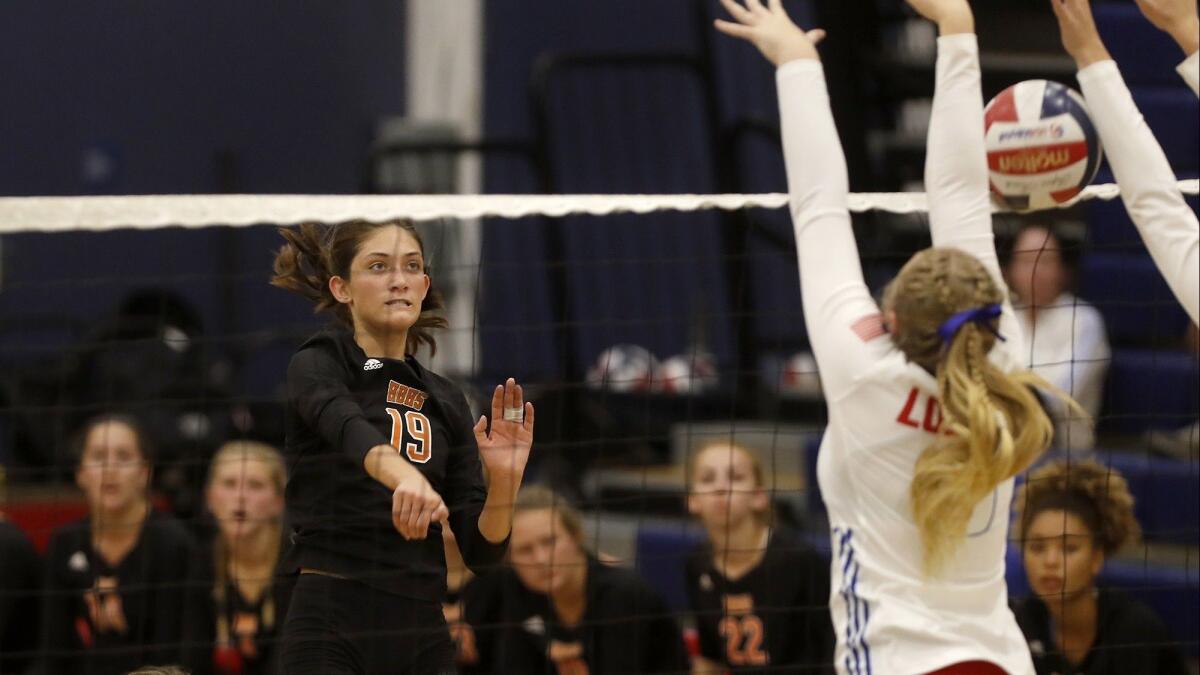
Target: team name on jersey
921, 411
405, 395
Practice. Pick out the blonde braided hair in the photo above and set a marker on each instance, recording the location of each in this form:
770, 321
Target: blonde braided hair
994, 427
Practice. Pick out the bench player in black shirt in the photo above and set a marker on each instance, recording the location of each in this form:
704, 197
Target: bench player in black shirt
563, 611
1071, 516
383, 453
759, 593
115, 580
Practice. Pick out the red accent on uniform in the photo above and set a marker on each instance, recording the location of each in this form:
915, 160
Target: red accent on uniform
869, 327
1065, 195
971, 668
1003, 108
933, 416
84, 630
1038, 159
905, 416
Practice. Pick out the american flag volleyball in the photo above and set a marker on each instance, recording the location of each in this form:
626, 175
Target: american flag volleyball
1042, 148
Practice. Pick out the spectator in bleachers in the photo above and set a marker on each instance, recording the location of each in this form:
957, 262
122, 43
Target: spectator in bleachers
759, 594
1071, 517
562, 608
1067, 340
115, 579
20, 580
238, 599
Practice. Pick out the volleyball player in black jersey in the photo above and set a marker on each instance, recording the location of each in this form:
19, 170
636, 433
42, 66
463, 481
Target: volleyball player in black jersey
759, 593
382, 454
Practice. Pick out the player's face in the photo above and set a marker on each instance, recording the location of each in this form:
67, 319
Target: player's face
1061, 556
112, 472
543, 553
242, 496
725, 488
1036, 272
387, 281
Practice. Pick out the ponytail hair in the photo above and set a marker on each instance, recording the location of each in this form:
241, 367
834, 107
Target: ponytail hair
314, 253
994, 426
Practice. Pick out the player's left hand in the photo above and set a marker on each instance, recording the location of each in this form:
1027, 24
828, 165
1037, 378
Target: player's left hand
1079, 35
504, 450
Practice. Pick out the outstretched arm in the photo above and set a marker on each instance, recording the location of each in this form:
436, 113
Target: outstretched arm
956, 172
1179, 19
1148, 185
841, 316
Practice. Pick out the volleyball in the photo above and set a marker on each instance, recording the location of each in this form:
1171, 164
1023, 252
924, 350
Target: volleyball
1042, 148
623, 368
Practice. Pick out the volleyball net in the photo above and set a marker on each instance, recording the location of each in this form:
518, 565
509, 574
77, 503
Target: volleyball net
642, 326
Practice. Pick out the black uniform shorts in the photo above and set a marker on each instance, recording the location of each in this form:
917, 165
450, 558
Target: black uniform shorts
341, 627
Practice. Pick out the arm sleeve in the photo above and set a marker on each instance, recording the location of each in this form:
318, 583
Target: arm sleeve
1189, 70
317, 388
1148, 187
831, 280
465, 493
956, 171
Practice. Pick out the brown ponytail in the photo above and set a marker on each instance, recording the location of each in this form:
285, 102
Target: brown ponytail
312, 254
995, 427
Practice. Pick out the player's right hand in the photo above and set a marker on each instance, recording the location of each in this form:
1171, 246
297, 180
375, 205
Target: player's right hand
951, 16
415, 504
770, 29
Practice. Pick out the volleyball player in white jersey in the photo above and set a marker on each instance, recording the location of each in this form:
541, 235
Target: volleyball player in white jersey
1148, 186
929, 422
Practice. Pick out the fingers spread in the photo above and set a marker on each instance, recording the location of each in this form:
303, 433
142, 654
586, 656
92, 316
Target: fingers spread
738, 12
529, 417
735, 29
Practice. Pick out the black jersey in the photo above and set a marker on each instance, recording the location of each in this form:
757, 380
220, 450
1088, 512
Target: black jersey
340, 405
101, 618
774, 617
20, 590
626, 628
252, 629
1130, 638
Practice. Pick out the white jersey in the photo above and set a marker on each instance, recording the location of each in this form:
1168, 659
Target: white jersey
1189, 70
1069, 347
883, 410
1148, 185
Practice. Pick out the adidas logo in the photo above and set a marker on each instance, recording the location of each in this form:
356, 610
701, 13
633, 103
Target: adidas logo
372, 364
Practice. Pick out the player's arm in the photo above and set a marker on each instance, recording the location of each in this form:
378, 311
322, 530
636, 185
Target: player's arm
956, 173
1180, 20
1148, 185
323, 401
504, 447
831, 280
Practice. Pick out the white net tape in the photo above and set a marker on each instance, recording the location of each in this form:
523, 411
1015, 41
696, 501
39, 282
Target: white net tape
51, 214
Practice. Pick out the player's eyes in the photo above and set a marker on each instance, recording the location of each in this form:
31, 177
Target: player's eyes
377, 266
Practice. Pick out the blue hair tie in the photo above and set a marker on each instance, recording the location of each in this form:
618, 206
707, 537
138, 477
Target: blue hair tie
980, 315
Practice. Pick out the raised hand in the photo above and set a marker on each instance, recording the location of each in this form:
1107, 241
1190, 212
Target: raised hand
951, 16
771, 30
504, 450
1079, 35
1178, 18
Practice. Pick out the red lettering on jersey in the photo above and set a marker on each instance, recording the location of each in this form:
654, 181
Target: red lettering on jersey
933, 416
905, 416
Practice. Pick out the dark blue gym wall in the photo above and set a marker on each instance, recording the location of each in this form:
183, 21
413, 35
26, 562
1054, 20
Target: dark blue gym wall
289, 91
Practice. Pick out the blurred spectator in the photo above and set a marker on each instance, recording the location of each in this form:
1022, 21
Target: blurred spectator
1066, 341
1071, 516
760, 595
563, 610
20, 581
238, 598
114, 587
